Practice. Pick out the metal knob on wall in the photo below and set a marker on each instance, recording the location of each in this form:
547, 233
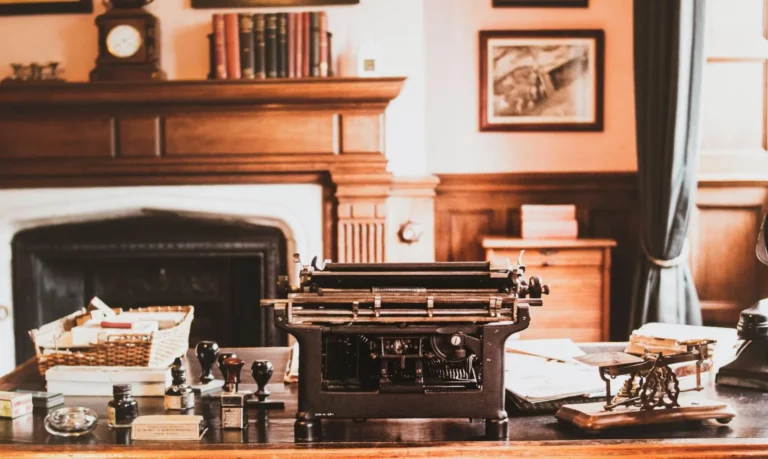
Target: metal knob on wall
410, 232
4, 312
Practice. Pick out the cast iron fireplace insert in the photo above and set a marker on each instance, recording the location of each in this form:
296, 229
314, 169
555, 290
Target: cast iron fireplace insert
221, 267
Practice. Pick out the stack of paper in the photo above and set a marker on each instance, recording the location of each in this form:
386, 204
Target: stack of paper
548, 222
98, 381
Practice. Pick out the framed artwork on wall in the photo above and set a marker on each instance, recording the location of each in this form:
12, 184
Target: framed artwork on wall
541, 80
269, 3
541, 3
19, 7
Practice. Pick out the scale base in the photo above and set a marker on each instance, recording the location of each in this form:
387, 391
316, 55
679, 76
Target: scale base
592, 417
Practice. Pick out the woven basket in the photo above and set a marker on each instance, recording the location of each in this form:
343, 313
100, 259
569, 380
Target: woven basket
157, 349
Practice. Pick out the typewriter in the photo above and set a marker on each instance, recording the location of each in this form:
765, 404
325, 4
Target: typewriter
404, 340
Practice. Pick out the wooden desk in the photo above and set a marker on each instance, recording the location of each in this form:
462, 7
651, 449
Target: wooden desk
530, 436
579, 273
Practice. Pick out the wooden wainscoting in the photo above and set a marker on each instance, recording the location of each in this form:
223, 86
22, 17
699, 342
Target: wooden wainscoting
723, 233
470, 206
723, 230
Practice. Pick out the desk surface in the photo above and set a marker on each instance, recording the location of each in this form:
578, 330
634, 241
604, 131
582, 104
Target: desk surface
530, 436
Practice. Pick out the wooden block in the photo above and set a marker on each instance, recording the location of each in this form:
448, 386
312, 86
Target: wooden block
592, 417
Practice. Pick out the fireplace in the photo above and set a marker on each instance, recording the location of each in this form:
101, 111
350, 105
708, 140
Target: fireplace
222, 268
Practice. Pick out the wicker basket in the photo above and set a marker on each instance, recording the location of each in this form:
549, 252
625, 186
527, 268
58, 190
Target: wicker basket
157, 349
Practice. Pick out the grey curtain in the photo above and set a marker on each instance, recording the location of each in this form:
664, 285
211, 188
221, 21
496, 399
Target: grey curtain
669, 59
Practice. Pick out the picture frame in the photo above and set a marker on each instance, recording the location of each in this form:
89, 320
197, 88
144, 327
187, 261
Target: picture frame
267, 3
29, 7
541, 80
540, 3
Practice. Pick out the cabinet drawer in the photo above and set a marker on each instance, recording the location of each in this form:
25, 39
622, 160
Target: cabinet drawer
551, 257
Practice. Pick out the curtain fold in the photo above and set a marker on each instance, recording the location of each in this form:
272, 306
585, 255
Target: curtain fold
669, 60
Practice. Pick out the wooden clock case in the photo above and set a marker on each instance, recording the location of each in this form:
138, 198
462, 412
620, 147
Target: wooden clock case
145, 63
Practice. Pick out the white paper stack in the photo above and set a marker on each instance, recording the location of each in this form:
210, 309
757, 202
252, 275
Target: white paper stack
98, 381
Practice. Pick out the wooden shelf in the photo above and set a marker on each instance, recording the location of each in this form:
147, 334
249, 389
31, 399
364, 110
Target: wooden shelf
334, 90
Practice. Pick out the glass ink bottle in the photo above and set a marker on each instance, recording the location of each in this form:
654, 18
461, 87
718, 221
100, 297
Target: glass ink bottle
123, 408
179, 396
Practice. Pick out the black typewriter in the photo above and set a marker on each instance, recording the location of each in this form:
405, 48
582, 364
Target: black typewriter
404, 340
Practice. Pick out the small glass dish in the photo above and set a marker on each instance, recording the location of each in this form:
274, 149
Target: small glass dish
71, 422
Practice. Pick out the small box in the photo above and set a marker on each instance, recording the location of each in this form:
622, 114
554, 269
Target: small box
15, 404
168, 427
43, 399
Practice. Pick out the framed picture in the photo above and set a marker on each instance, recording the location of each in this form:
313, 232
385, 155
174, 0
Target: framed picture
541, 80
272, 3
541, 3
18, 7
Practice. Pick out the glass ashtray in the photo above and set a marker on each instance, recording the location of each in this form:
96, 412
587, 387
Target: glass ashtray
71, 422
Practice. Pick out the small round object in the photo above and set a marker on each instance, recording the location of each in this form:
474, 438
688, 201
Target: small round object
129, 3
71, 421
456, 340
723, 420
123, 41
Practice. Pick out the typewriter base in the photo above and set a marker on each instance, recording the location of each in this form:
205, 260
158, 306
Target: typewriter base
592, 417
310, 430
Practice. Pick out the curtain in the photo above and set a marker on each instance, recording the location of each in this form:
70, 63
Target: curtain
669, 59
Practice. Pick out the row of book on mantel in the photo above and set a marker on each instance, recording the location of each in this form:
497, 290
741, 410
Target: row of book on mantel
273, 45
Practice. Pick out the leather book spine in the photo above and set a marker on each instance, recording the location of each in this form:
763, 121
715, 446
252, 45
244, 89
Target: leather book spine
305, 39
282, 45
260, 57
323, 46
232, 35
220, 46
211, 57
291, 35
330, 55
247, 56
298, 40
314, 44
270, 42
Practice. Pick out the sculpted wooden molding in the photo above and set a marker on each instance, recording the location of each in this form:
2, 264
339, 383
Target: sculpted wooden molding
328, 131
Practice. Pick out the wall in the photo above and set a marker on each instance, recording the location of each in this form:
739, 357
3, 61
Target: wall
454, 144
393, 27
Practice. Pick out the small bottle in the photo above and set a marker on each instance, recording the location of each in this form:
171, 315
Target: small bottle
123, 408
179, 396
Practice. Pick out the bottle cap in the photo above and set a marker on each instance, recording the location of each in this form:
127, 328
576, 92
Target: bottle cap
120, 389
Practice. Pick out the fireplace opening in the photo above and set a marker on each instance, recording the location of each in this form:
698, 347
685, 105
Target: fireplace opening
221, 267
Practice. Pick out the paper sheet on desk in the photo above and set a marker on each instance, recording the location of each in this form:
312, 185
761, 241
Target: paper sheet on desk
563, 350
536, 379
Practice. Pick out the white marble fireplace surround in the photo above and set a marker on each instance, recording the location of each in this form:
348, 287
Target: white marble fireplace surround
295, 209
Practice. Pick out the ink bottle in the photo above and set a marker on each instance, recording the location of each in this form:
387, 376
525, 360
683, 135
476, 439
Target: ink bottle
179, 396
123, 408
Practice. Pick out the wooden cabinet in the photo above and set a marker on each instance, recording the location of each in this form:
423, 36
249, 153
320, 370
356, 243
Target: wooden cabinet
578, 272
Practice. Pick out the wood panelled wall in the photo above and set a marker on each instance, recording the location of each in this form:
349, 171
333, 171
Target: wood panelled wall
723, 230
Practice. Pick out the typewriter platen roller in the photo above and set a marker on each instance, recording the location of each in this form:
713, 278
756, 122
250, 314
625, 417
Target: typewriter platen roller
404, 340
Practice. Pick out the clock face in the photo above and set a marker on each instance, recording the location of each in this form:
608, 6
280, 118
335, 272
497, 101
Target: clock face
123, 41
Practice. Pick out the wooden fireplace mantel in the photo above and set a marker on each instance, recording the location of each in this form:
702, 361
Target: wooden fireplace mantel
328, 131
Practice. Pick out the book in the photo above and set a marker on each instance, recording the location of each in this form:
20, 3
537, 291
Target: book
260, 60
305, 44
232, 40
15, 404
314, 44
331, 72
667, 338
298, 39
547, 212
219, 37
282, 45
212, 57
323, 44
291, 38
247, 56
549, 229
270, 43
